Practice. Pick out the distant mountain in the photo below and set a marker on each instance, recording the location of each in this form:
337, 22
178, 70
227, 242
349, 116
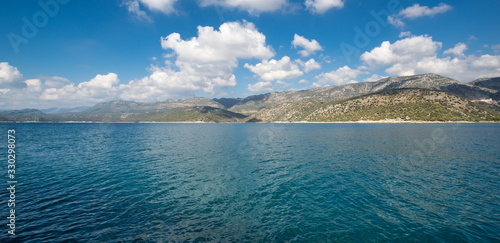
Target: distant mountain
402, 104
122, 106
490, 83
179, 114
189, 114
24, 112
426, 97
22, 115
255, 103
56, 110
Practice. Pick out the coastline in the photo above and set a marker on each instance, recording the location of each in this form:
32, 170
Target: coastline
386, 121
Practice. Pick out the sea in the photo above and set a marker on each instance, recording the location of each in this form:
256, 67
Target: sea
166, 182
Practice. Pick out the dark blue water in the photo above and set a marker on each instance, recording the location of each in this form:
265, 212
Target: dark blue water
254, 182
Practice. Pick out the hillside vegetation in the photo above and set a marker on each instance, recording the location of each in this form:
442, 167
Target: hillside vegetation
404, 104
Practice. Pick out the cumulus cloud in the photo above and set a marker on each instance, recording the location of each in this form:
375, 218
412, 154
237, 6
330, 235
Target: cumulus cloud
310, 46
487, 61
341, 76
417, 11
404, 50
46, 92
33, 85
419, 54
274, 70
164, 83
203, 63
261, 86
10, 76
321, 6
233, 40
55, 81
458, 50
252, 6
309, 65
98, 89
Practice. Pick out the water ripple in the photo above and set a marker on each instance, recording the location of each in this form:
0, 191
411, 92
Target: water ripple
257, 183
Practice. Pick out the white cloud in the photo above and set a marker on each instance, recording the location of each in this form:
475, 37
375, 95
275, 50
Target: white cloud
419, 54
417, 11
396, 21
404, 50
165, 6
321, 6
59, 92
55, 81
309, 65
233, 40
458, 50
341, 76
374, 78
164, 83
33, 85
261, 86
310, 46
10, 76
98, 89
252, 6
405, 34
487, 61
134, 8
204, 63
303, 81
274, 70
101, 82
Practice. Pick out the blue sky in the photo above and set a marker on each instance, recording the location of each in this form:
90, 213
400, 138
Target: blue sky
67, 53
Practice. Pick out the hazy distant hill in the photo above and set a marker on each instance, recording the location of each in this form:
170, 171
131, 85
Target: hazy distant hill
490, 83
21, 115
56, 110
122, 106
189, 114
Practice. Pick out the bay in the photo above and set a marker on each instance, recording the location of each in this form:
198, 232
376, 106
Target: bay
255, 182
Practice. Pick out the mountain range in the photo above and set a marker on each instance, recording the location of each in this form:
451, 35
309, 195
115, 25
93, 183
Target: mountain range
425, 97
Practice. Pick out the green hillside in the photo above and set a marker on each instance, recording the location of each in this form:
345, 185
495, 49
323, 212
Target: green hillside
404, 104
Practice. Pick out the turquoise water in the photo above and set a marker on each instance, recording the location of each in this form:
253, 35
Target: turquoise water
255, 182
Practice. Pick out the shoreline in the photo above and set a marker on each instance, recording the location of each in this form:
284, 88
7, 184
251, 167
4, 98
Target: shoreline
387, 121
